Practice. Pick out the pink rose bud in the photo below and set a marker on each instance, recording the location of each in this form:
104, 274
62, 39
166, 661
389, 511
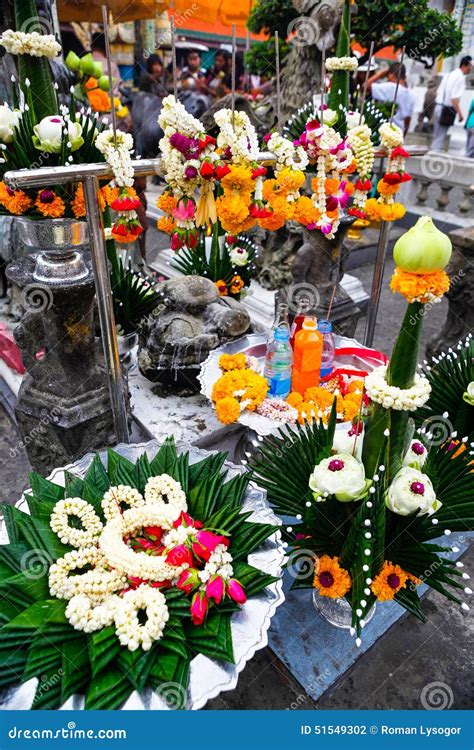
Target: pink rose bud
206, 542
235, 591
179, 555
188, 580
215, 589
199, 606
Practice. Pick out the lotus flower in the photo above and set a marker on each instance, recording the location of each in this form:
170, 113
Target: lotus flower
215, 589
199, 607
236, 591
8, 122
48, 134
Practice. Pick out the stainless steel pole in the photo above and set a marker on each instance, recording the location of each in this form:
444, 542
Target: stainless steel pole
377, 279
106, 311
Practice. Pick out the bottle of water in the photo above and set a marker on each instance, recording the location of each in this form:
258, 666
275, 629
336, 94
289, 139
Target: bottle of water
281, 320
327, 359
278, 363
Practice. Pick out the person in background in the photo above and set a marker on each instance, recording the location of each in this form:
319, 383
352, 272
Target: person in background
219, 79
151, 79
98, 53
384, 91
193, 76
470, 131
448, 102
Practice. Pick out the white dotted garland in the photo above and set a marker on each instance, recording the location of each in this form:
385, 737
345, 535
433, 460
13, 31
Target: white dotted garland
391, 397
61, 515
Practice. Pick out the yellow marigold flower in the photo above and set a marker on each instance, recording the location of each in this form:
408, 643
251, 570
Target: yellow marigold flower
227, 410
49, 204
166, 224
239, 179
307, 411
372, 209
355, 385
420, 287
350, 409
236, 284
320, 396
221, 287
291, 179
390, 580
392, 211
233, 212
330, 579
166, 202
15, 201
229, 362
304, 211
272, 189
294, 399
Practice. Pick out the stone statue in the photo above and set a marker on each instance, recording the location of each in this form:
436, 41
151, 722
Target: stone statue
242, 104
315, 29
317, 270
276, 255
178, 336
460, 318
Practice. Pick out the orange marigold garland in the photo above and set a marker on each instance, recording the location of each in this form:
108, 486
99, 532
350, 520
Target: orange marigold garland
49, 204
330, 578
420, 287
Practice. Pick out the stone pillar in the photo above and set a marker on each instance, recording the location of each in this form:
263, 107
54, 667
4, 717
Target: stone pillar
63, 408
460, 318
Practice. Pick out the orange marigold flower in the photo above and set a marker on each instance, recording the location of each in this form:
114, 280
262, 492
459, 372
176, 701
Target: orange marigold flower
304, 211
372, 209
49, 204
330, 579
227, 410
236, 284
221, 287
91, 83
390, 580
239, 179
229, 362
307, 411
273, 222
291, 179
166, 202
385, 188
15, 201
420, 287
110, 194
350, 409
233, 212
331, 185
166, 224
392, 211
99, 100
294, 399
78, 204
355, 386
319, 396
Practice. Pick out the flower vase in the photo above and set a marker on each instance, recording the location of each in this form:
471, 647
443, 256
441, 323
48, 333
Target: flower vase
337, 612
60, 243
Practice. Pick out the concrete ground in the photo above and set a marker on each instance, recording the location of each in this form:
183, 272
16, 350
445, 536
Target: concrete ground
410, 663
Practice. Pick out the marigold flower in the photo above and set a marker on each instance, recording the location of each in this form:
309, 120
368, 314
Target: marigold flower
166, 224
385, 188
229, 362
304, 211
239, 179
78, 204
227, 410
319, 396
15, 201
330, 579
420, 287
99, 100
221, 287
49, 204
390, 580
294, 399
166, 202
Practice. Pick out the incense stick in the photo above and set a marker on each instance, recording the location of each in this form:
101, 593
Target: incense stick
277, 70
331, 301
109, 71
323, 81
394, 103
233, 74
247, 74
173, 56
364, 90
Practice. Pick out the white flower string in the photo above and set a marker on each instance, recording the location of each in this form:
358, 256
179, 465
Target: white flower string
34, 44
391, 397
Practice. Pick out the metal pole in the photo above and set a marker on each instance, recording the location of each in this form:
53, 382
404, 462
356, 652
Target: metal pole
173, 57
106, 311
367, 75
277, 71
109, 70
233, 74
372, 310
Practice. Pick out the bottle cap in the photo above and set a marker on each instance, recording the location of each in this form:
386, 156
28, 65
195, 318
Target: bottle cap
282, 333
324, 326
310, 324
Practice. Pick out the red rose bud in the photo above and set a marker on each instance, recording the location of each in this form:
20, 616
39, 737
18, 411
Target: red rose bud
154, 532
215, 589
206, 542
254, 211
135, 228
392, 178
356, 212
199, 607
192, 239
259, 172
160, 584
405, 177
221, 171
135, 582
208, 140
179, 555
363, 185
125, 203
399, 151
207, 170
188, 580
231, 239
235, 591
176, 241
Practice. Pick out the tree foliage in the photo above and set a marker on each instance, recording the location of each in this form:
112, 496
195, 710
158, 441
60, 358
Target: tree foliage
268, 16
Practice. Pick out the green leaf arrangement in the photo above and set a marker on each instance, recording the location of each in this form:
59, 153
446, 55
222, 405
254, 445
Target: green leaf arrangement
133, 296
219, 266
36, 639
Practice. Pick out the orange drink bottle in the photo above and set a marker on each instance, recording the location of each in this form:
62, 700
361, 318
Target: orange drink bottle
308, 348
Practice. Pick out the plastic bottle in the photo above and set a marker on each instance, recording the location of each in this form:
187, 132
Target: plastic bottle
280, 321
308, 350
329, 346
278, 363
304, 306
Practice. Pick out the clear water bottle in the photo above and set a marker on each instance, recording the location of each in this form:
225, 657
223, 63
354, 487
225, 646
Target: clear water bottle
278, 363
281, 320
327, 359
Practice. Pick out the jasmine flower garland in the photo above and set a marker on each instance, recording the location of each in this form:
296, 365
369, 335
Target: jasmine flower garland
240, 137
34, 44
341, 63
391, 397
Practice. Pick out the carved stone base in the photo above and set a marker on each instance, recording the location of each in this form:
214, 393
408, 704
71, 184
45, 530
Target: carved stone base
460, 317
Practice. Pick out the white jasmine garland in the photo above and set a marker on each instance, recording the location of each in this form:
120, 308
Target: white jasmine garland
391, 135
286, 153
34, 44
219, 563
117, 155
391, 397
240, 137
96, 583
84, 615
360, 141
90, 521
341, 63
120, 495
174, 118
128, 628
164, 486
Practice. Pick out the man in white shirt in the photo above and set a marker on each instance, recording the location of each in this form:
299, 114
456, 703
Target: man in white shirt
384, 91
449, 95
